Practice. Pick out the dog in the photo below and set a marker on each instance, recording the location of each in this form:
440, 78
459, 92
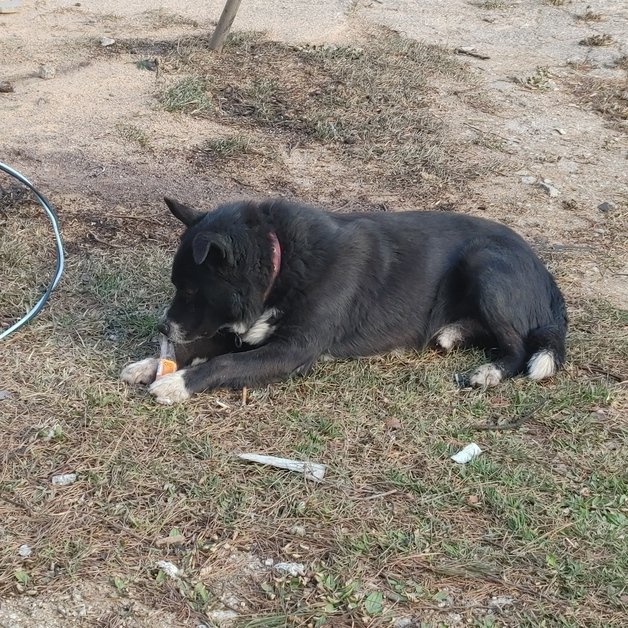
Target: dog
263, 289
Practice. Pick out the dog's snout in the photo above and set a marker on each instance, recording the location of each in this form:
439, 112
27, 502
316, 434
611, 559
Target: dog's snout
164, 328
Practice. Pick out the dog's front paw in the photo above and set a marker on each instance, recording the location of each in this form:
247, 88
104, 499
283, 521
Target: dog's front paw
142, 372
170, 389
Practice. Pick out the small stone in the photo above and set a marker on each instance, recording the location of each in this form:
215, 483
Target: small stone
24, 551
297, 530
6, 87
170, 569
500, 601
528, 180
64, 479
107, 41
269, 562
473, 499
293, 569
551, 190
47, 71
4, 394
222, 618
606, 207
392, 423
406, 622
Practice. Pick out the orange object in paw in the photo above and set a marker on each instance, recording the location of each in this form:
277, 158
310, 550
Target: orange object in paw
167, 359
166, 367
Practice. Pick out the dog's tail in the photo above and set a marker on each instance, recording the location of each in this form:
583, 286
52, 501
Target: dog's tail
546, 344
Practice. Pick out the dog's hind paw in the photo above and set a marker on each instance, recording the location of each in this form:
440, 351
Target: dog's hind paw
170, 389
486, 375
142, 372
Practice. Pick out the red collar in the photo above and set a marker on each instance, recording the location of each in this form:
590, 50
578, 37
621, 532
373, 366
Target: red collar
276, 261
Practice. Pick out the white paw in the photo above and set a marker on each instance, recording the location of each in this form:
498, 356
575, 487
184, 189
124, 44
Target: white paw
541, 365
142, 372
448, 337
486, 375
170, 389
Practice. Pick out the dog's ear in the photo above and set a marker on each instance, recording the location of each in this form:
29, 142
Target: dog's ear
187, 215
251, 215
212, 246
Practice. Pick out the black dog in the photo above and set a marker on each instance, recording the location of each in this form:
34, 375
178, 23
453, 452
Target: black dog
264, 289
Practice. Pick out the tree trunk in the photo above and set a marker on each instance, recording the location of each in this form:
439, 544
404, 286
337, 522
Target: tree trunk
224, 25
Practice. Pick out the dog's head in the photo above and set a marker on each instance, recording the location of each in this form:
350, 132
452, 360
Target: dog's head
221, 271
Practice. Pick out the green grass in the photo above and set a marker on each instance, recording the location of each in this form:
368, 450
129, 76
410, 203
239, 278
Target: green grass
223, 147
188, 95
539, 517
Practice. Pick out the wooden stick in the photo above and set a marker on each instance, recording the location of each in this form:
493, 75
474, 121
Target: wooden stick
224, 25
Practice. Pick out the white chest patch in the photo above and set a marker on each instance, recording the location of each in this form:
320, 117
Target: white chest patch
259, 331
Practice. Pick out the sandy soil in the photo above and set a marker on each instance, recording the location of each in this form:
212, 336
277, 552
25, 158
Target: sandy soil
62, 132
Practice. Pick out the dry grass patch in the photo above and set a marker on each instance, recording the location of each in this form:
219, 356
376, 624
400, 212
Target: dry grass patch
609, 97
590, 16
599, 39
396, 529
370, 104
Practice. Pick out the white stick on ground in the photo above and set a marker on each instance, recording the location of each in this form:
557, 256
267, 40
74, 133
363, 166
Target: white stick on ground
312, 470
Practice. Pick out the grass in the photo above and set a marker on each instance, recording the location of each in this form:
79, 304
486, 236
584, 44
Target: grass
223, 147
189, 96
608, 96
491, 5
133, 134
601, 39
590, 16
531, 533
369, 105
396, 529
541, 79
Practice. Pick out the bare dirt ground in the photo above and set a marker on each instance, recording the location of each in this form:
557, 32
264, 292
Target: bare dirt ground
521, 116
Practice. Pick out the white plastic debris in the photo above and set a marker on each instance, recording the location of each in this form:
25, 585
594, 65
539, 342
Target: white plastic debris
107, 41
170, 569
222, 618
64, 479
24, 551
293, 569
466, 454
500, 601
312, 470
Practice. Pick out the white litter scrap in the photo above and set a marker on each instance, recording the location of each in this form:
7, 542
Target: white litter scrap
466, 454
293, 569
24, 551
170, 569
311, 470
64, 479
